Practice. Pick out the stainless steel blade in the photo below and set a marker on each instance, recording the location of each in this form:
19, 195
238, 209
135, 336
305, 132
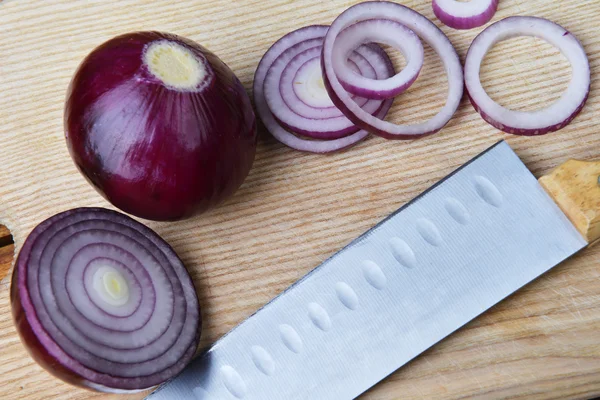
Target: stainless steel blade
435, 264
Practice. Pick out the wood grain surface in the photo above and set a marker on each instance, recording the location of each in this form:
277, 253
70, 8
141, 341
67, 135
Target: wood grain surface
295, 209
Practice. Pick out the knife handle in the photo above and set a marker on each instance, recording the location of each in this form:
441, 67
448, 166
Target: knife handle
575, 187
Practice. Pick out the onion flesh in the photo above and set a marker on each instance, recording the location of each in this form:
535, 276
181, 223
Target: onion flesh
159, 125
465, 15
549, 119
102, 302
427, 31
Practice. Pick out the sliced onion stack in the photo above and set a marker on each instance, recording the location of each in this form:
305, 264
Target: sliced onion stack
356, 83
465, 15
102, 302
387, 11
296, 95
549, 119
305, 108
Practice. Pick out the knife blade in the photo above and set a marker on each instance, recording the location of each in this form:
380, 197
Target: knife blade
471, 240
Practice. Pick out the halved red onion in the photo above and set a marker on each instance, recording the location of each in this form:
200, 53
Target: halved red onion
377, 31
102, 302
428, 32
303, 38
301, 103
465, 15
549, 119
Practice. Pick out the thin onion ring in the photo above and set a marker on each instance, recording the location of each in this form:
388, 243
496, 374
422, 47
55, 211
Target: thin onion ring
549, 119
427, 31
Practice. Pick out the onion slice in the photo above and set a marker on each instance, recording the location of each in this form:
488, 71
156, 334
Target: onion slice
296, 95
549, 119
422, 27
301, 37
461, 15
378, 31
101, 301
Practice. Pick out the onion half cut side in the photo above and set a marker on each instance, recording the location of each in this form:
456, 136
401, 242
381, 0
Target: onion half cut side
465, 15
102, 302
549, 119
378, 31
422, 27
302, 43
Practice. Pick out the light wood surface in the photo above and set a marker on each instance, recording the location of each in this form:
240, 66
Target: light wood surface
296, 209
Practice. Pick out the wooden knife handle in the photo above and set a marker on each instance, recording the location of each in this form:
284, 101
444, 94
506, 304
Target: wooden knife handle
575, 187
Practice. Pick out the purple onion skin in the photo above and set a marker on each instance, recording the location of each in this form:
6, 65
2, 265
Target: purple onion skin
152, 151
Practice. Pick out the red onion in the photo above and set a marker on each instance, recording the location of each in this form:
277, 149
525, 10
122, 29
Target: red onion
159, 125
427, 31
301, 40
296, 95
552, 118
461, 15
378, 31
102, 302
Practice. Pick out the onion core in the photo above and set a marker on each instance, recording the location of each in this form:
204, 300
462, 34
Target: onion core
174, 65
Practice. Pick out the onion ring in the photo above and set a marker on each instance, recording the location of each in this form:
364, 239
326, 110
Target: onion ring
427, 31
273, 126
549, 119
378, 31
459, 15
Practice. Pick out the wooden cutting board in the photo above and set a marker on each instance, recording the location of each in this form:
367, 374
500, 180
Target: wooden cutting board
296, 209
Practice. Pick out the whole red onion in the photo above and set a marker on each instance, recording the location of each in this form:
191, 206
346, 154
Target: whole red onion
159, 125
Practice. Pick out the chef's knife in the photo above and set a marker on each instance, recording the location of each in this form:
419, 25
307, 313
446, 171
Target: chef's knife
432, 266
